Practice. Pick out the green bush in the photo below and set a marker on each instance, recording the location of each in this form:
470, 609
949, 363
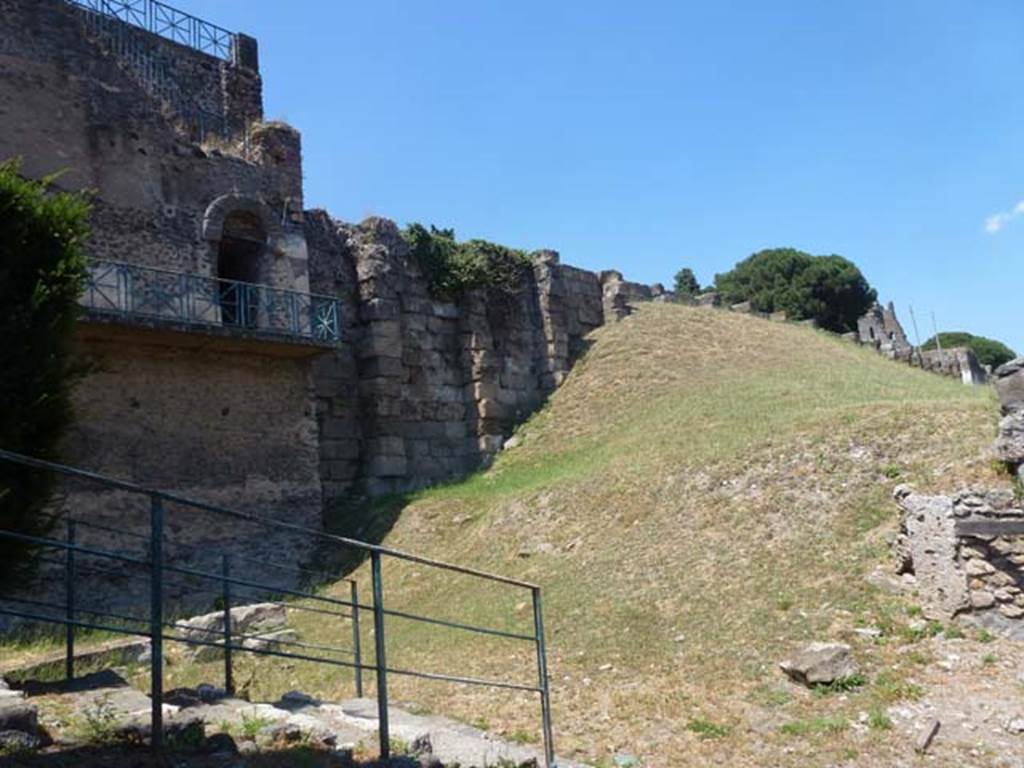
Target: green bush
988, 351
42, 271
686, 283
451, 267
829, 289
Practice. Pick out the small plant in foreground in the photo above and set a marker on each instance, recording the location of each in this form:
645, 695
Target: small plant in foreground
252, 724
706, 729
98, 722
989, 659
892, 471
816, 725
984, 636
889, 688
878, 720
521, 736
842, 685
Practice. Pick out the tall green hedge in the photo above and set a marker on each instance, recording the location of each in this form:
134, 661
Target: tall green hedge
42, 271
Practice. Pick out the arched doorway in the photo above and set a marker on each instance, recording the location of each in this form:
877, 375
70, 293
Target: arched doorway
239, 253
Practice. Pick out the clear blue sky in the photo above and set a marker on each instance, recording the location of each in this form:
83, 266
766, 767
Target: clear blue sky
646, 136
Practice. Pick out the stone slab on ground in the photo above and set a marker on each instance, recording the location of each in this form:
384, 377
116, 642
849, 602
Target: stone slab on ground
452, 742
336, 724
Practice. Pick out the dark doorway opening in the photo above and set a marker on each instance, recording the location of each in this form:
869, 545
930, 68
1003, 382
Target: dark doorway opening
238, 269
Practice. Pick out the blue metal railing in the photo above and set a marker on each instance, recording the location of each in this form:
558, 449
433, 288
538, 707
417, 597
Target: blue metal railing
133, 290
166, 22
153, 564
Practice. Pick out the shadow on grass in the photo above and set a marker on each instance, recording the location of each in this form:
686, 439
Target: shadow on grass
369, 520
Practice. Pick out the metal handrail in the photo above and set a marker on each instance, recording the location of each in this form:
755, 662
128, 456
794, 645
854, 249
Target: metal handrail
138, 290
167, 22
157, 565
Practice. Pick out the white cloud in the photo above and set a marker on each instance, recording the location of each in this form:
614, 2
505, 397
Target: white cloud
997, 221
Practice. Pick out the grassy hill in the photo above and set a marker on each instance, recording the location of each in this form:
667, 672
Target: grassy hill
706, 492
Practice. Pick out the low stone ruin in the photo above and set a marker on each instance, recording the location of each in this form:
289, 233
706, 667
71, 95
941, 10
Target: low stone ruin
964, 553
961, 565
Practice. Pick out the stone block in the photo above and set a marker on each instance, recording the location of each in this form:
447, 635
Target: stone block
387, 367
491, 409
382, 386
385, 445
339, 449
1009, 381
982, 599
379, 309
1010, 442
387, 466
485, 389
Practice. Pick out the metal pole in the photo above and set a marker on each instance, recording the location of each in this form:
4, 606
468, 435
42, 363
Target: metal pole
356, 641
917, 335
938, 343
156, 621
542, 672
229, 678
381, 661
69, 585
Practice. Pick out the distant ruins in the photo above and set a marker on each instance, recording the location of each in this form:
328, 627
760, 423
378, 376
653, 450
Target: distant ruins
880, 328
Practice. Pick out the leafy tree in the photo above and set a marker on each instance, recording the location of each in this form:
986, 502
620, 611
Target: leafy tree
988, 351
829, 289
452, 267
42, 270
686, 282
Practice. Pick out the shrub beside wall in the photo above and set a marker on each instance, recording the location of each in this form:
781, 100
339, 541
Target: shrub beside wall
42, 272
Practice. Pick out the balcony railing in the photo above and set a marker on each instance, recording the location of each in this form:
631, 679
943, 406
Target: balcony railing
166, 22
131, 290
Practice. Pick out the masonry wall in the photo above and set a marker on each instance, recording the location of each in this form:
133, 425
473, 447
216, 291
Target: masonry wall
228, 420
429, 389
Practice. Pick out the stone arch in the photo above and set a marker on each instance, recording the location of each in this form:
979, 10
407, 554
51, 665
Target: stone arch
225, 206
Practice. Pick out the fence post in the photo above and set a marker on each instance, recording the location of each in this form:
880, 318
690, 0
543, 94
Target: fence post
229, 676
356, 641
542, 673
382, 675
69, 595
156, 622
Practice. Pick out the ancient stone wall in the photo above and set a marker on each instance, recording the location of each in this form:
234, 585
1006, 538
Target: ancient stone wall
964, 556
79, 113
429, 389
222, 417
966, 552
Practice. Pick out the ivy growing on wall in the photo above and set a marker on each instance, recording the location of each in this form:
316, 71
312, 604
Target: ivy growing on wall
452, 268
42, 271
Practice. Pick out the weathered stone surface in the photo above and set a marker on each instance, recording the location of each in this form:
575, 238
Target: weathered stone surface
927, 547
926, 736
820, 663
245, 619
13, 742
1009, 381
1010, 442
18, 715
